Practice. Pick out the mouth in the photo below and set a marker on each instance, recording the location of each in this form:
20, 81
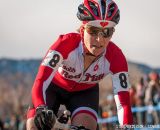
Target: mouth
96, 46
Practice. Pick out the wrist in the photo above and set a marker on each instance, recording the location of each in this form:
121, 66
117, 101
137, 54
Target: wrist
41, 107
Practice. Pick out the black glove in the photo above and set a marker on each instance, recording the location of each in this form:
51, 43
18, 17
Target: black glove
44, 118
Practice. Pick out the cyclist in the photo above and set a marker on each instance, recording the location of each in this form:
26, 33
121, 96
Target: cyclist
73, 66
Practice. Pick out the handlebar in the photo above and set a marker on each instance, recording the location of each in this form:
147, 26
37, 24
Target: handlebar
61, 123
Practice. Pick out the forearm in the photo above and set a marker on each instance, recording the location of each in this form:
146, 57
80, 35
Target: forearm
122, 100
40, 85
37, 93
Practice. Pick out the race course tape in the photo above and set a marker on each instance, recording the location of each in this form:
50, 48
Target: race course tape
134, 109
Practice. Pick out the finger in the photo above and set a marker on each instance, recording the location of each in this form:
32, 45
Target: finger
38, 122
46, 121
43, 117
50, 114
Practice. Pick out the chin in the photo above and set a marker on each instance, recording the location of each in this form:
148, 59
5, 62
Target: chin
96, 53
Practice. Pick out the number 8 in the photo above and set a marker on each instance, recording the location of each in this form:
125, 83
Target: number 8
53, 62
123, 80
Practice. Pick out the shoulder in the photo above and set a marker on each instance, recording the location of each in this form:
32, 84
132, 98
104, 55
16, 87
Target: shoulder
67, 39
116, 58
70, 37
112, 48
66, 43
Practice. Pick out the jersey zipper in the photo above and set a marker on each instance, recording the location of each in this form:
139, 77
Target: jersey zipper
83, 72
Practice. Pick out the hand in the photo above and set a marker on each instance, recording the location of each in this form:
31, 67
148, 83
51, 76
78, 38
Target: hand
44, 118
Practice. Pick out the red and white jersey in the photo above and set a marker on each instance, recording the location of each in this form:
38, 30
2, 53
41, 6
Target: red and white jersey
64, 65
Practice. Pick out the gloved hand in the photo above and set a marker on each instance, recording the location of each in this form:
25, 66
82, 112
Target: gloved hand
44, 118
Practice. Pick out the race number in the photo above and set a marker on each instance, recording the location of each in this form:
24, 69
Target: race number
53, 59
120, 82
123, 80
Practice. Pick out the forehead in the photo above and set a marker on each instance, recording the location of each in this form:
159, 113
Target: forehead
95, 28
101, 23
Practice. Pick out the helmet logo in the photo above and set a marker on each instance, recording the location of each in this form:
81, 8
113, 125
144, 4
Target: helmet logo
103, 24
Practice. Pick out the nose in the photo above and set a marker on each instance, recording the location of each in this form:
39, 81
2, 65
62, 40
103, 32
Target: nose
99, 37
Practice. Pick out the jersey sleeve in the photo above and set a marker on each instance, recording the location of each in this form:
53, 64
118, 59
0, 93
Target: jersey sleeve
120, 82
46, 72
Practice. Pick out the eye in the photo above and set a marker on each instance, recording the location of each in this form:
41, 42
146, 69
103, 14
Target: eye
106, 31
94, 31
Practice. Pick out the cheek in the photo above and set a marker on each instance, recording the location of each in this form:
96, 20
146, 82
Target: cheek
106, 41
87, 39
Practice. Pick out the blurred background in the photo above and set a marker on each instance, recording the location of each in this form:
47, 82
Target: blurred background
28, 28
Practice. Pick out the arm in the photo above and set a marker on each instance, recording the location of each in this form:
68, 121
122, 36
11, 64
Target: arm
122, 99
46, 72
44, 117
119, 69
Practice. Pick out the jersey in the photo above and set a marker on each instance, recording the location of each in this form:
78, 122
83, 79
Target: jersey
64, 66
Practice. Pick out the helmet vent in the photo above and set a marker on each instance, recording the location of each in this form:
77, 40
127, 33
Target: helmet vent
116, 17
111, 10
83, 13
94, 8
103, 4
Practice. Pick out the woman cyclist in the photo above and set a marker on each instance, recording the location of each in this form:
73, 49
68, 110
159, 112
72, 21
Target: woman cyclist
74, 65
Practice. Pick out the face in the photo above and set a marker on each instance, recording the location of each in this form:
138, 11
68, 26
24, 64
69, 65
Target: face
96, 39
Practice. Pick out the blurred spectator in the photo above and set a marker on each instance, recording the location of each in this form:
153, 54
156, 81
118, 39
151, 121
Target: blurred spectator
22, 122
1, 125
141, 90
152, 97
13, 122
108, 110
140, 93
7, 123
133, 99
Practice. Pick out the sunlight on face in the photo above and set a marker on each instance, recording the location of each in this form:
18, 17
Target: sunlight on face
95, 44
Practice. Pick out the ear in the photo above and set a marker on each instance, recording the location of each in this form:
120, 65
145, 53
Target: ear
82, 30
